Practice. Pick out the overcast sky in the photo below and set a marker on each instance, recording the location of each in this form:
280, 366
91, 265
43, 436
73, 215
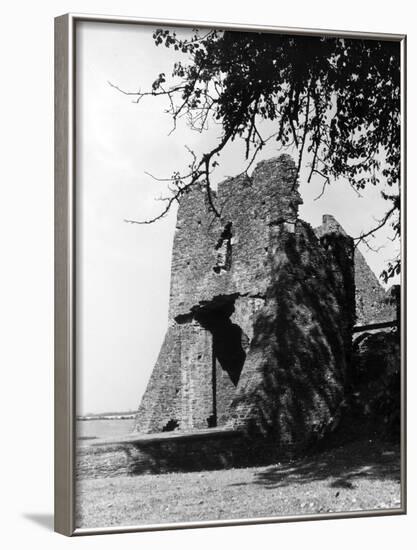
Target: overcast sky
123, 270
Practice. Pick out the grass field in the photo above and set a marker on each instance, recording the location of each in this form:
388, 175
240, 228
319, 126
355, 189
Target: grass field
359, 476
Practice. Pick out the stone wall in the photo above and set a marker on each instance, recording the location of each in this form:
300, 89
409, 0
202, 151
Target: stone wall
373, 303
248, 206
217, 265
175, 453
294, 375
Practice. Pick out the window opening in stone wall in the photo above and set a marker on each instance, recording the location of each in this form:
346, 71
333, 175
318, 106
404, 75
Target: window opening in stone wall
224, 250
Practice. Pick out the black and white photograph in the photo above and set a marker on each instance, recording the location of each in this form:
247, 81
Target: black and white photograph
238, 275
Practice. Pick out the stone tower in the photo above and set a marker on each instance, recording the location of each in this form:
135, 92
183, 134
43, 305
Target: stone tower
260, 317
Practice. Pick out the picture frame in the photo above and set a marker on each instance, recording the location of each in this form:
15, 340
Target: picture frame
67, 334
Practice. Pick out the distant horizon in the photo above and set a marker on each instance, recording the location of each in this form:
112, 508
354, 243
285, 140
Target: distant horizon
106, 413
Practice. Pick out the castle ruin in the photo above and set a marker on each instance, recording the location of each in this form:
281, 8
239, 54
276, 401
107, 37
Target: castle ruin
261, 313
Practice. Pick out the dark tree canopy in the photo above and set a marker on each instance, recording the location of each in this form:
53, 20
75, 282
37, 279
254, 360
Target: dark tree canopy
335, 100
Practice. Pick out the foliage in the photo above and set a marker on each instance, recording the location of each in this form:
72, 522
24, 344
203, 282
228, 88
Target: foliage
335, 100
375, 399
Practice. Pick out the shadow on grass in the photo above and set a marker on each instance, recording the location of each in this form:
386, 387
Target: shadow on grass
341, 467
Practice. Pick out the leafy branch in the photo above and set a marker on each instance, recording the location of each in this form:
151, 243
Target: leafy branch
336, 101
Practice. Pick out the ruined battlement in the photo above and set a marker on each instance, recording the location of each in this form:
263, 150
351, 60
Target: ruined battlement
230, 255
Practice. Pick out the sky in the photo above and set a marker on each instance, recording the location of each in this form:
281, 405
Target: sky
123, 270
